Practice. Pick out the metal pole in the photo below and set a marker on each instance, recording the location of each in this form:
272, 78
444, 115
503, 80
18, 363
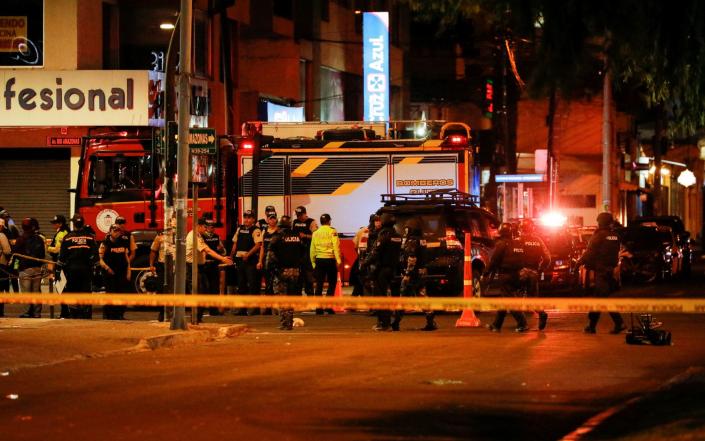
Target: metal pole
606, 143
194, 252
182, 169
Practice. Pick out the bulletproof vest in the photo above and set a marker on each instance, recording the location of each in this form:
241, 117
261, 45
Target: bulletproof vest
267, 239
114, 255
607, 249
212, 240
290, 249
79, 250
389, 247
533, 251
513, 256
413, 246
298, 226
245, 239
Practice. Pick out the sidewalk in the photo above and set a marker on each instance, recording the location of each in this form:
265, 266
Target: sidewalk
26, 343
675, 411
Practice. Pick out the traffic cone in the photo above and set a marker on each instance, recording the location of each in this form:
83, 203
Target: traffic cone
467, 318
339, 294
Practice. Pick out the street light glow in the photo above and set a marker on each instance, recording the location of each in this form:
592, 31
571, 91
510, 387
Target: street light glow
166, 26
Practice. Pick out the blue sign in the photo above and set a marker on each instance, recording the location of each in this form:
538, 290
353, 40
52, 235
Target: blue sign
519, 178
277, 113
375, 59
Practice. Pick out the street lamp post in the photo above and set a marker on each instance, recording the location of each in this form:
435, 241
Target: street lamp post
182, 167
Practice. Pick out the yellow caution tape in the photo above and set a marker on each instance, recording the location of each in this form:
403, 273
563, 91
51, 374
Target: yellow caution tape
696, 306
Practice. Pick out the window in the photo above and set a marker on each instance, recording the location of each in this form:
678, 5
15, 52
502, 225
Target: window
120, 175
325, 10
283, 8
201, 44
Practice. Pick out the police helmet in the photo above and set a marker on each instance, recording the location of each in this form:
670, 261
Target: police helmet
284, 222
604, 219
526, 226
505, 230
388, 219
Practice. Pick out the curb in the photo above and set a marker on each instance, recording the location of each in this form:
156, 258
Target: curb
691, 375
195, 335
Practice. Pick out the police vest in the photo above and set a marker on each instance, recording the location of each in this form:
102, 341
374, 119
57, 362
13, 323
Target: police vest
303, 227
114, 255
78, 250
245, 238
533, 251
514, 255
389, 248
290, 250
55, 256
267, 239
212, 240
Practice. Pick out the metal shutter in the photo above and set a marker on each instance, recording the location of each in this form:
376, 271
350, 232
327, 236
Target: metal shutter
33, 183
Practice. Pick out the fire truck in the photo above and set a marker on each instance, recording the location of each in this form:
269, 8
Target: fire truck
343, 168
339, 168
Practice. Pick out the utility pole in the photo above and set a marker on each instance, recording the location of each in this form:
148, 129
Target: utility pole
182, 166
607, 142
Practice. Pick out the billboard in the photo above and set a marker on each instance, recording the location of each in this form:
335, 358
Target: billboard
375, 59
74, 98
22, 33
278, 113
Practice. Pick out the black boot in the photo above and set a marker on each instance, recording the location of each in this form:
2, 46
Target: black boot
543, 319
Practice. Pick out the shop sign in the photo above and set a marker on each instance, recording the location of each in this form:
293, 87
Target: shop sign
21, 33
74, 98
375, 59
58, 141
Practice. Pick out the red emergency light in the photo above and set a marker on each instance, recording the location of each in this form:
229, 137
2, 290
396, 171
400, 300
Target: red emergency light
247, 144
457, 139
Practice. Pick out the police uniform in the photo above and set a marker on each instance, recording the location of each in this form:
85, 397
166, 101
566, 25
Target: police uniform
413, 261
211, 270
248, 277
383, 264
601, 256
115, 256
507, 260
267, 237
305, 228
536, 257
325, 256
284, 256
78, 255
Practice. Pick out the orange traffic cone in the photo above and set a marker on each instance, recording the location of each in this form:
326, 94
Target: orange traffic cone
339, 294
467, 318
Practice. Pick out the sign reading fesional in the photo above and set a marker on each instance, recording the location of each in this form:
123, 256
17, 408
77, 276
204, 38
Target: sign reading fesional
375, 58
74, 98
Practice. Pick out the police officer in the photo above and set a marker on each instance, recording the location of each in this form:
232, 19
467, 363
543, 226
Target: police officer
325, 258
304, 226
601, 257
284, 256
271, 230
413, 261
247, 241
127, 236
507, 259
263, 224
536, 259
211, 271
383, 264
361, 242
77, 257
114, 259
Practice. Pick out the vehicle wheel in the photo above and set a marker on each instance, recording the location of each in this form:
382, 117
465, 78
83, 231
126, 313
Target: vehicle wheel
631, 339
139, 277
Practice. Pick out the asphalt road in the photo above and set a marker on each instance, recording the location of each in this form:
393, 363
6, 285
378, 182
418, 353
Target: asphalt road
335, 378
